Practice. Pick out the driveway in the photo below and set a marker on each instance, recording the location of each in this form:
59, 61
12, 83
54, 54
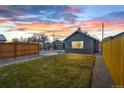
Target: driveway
51, 52
29, 58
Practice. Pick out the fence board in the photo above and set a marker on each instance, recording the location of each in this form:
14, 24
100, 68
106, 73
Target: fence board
13, 50
113, 53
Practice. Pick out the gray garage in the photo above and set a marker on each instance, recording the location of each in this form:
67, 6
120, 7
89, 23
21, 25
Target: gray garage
58, 45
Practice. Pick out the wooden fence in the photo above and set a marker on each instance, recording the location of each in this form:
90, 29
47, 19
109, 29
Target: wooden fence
113, 53
13, 50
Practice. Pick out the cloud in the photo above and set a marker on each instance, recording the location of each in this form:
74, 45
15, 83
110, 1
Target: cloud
110, 16
41, 13
60, 19
8, 11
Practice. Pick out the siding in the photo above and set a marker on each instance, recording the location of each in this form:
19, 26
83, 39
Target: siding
88, 44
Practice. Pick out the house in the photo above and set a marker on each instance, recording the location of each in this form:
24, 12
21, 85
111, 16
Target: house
58, 45
2, 38
79, 42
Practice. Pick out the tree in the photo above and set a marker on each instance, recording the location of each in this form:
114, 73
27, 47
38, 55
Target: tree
23, 39
38, 38
15, 40
29, 40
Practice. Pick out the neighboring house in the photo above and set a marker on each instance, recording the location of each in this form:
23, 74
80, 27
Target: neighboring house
2, 38
58, 45
80, 42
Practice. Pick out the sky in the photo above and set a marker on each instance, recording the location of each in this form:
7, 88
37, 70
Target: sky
61, 20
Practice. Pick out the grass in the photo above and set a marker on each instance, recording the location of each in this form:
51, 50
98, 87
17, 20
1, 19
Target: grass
60, 71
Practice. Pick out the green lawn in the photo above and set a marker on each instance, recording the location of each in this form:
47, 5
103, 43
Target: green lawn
63, 71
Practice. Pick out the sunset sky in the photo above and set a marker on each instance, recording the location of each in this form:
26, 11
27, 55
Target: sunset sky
22, 21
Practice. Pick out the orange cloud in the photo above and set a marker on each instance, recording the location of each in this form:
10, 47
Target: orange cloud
54, 26
68, 28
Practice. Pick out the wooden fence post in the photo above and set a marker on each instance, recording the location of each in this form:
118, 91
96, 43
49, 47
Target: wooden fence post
1, 52
38, 49
15, 45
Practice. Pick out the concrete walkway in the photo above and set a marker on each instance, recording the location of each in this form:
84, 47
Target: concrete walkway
101, 77
29, 58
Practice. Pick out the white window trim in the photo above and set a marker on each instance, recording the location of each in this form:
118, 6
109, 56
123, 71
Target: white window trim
81, 46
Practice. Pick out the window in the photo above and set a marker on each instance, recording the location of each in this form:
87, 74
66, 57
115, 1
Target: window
77, 44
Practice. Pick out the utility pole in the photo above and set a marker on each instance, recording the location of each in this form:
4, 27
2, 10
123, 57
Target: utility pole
53, 36
102, 31
102, 37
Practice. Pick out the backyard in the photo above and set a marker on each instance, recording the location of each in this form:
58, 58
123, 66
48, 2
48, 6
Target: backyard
64, 70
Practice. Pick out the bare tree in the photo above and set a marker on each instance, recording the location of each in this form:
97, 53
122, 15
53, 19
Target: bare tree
40, 38
14, 40
23, 39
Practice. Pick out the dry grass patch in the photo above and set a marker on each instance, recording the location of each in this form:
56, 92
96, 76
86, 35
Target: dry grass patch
67, 70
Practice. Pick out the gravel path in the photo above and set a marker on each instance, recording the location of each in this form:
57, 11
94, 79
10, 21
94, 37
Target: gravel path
101, 77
